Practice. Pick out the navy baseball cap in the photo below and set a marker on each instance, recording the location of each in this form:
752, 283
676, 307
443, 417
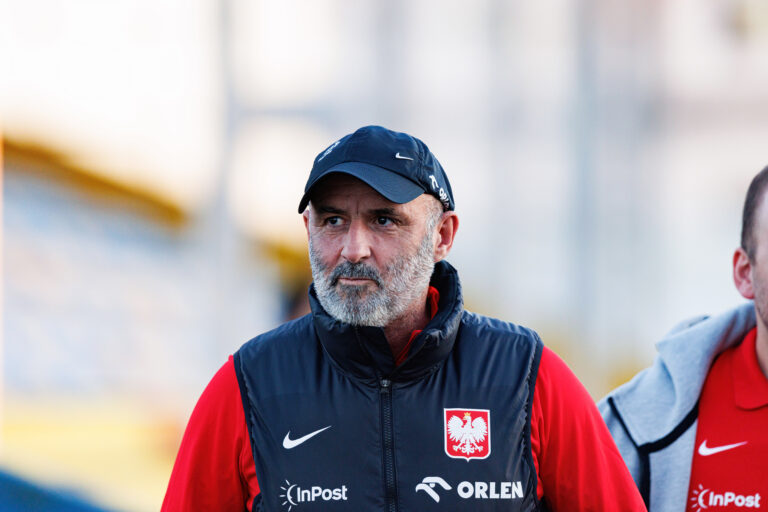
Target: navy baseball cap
396, 165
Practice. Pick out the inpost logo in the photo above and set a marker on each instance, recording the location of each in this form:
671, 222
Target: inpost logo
293, 495
703, 498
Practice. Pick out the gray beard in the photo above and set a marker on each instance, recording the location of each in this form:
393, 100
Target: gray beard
397, 287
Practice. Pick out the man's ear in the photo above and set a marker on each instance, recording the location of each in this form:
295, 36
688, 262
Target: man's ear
305, 216
446, 232
742, 273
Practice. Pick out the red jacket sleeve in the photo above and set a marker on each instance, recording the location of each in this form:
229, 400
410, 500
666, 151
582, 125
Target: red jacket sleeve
577, 463
214, 468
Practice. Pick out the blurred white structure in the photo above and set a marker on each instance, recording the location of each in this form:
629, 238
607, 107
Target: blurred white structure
599, 155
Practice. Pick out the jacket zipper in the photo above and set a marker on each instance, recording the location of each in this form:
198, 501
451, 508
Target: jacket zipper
390, 485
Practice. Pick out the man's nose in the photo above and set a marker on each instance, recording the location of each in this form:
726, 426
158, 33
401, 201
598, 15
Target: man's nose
357, 243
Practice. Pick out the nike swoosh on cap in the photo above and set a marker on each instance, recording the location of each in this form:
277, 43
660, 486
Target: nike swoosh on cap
401, 157
289, 443
706, 450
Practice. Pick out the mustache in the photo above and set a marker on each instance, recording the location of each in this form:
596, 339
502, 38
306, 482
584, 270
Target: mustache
355, 271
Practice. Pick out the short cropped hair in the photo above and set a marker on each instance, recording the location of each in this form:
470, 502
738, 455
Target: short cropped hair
434, 214
755, 194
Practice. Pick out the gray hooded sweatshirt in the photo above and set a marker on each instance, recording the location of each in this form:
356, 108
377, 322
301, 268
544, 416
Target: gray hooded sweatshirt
653, 417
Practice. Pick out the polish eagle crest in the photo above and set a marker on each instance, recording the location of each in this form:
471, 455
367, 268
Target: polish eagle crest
467, 433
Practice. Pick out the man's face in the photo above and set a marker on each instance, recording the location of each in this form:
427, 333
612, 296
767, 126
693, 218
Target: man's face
759, 262
371, 258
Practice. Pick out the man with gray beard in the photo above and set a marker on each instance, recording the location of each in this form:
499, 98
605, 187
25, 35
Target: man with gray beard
389, 395
407, 277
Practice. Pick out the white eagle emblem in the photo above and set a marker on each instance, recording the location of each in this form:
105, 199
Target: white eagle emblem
468, 437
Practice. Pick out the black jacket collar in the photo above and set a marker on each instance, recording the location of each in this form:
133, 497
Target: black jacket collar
364, 351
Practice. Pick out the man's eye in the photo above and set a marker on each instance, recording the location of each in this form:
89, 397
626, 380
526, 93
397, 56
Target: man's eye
383, 221
333, 221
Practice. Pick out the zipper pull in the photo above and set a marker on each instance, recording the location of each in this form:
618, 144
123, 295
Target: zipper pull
385, 385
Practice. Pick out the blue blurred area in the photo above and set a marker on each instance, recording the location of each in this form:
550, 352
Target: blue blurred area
17, 494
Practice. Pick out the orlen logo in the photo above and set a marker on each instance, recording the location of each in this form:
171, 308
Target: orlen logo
428, 485
702, 499
293, 495
473, 490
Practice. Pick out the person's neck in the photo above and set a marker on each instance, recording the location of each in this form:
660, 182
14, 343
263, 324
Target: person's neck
399, 331
761, 346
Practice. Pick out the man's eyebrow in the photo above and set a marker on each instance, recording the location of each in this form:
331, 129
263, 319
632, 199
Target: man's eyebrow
385, 211
327, 209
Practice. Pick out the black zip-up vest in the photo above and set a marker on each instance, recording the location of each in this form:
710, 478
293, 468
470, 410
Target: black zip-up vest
335, 425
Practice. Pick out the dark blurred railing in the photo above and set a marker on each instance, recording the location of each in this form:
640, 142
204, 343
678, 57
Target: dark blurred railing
17, 494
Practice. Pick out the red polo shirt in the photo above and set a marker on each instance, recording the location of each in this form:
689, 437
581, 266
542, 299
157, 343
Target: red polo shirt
729, 469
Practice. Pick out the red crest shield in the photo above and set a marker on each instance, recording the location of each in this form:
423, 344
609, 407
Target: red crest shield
467, 433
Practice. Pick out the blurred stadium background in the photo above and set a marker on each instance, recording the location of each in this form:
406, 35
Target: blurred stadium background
154, 153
